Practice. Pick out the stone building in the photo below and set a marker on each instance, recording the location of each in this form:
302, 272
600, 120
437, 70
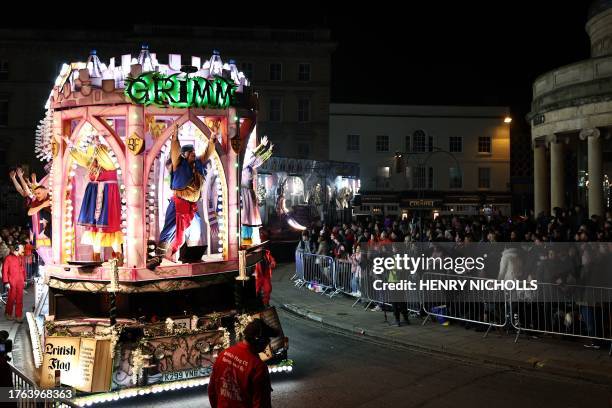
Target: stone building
439, 159
571, 117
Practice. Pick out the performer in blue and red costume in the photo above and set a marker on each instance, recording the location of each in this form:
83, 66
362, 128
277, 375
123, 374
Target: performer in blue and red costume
187, 175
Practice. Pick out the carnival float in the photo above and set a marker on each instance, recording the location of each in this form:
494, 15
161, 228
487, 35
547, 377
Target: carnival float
153, 181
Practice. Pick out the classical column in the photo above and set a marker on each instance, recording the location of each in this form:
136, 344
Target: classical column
540, 181
595, 167
557, 173
135, 251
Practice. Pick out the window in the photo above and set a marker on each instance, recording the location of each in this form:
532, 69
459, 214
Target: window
276, 72
430, 144
430, 179
484, 177
247, 69
4, 105
455, 179
352, 143
382, 143
4, 70
303, 110
418, 141
407, 143
419, 177
303, 149
304, 72
484, 144
455, 144
275, 113
382, 172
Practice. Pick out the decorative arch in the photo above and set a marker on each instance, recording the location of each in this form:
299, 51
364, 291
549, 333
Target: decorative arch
68, 225
216, 165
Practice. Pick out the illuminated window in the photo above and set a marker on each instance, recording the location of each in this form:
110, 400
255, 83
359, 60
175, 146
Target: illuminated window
484, 144
276, 72
275, 112
304, 72
352, 143
455, 144
382, 143
303, 110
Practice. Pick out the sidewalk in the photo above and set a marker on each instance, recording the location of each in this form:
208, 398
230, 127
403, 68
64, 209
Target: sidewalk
556, 356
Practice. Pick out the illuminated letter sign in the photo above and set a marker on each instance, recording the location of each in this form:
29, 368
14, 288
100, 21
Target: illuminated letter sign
153, 88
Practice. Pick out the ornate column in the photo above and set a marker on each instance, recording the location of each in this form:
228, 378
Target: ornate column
540, 179
134, 245
557, 173
595, 167
56, 183
233, 187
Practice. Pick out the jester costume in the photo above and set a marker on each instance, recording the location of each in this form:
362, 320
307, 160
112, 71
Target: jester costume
101, 207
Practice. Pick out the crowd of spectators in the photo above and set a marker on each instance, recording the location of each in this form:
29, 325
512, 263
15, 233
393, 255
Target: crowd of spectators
564, 225
523, 252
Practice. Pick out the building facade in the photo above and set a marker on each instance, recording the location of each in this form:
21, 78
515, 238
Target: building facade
289, 69
571, 117
446, 159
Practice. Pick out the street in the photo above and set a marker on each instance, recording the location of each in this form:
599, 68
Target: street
335, 370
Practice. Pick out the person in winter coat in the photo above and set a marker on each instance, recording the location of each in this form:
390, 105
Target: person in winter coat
239, 378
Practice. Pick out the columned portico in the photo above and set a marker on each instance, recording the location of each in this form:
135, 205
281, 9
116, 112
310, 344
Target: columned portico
575, 102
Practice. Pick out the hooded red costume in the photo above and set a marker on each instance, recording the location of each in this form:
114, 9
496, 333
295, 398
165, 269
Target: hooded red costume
263, 276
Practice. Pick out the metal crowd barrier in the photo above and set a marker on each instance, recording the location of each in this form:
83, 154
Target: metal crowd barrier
31, 267
343, 278
315, 270
22, 382
559, 309
367, 292
487, 307
567, 310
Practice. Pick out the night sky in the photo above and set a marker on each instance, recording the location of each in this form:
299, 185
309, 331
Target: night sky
428, 52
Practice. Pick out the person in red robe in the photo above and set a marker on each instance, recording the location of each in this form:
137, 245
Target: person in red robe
13, 278
263, 277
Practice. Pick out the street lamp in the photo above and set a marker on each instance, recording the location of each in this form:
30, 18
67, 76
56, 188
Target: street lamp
508, 120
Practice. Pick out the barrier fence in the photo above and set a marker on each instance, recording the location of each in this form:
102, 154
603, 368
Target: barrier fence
556, 309
22, 382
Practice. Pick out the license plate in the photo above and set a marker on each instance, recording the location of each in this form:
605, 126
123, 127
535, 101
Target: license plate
186, 374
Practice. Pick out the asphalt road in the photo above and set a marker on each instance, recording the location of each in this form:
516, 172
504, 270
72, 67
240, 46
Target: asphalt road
335, 370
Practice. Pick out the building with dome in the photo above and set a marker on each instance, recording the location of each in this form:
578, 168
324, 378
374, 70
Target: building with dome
571, 117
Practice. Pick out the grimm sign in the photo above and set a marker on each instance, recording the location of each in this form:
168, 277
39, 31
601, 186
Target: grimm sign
153, 88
